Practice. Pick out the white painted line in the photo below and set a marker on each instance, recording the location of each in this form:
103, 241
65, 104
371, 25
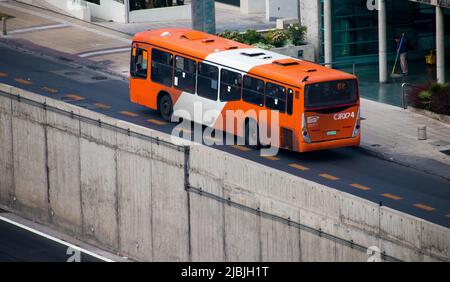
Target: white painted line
55, 239
104, 52
38, 28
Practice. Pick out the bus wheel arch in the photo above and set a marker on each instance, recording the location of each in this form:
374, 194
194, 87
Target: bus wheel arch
165, 105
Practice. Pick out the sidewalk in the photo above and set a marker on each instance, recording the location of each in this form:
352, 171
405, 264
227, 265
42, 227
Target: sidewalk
388, 132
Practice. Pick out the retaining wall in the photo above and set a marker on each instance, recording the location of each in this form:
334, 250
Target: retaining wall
125, 189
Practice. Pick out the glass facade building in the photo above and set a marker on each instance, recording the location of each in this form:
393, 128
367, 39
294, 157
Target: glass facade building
355, 28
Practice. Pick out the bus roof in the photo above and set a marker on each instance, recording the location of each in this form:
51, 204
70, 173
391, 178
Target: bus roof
242, 57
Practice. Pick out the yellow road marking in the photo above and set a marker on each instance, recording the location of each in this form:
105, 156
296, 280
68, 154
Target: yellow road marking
49, 90
272, 158
157, 122
127, 113
102, 106
329, 176
390, 196
241, 148
424, 207
2, 74
23, 81
74, 97
360, 187
297, 166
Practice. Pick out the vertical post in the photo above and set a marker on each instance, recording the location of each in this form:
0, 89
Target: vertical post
440, 45
382, 45
203, 15
328, 32
127, 10
4, 26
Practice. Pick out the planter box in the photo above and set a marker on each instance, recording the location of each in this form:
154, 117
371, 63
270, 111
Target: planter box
304, 52
439, 117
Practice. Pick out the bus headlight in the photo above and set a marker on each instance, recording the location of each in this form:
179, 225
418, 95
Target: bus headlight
357, 127
305, 133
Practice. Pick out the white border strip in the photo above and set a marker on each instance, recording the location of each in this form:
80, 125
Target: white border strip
38, 28
55, 239
104, 52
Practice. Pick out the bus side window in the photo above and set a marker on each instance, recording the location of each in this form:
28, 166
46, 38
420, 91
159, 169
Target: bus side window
230, 85
185, 74
289, 103
253, 91
276, 97
162, 67
139, 66
207, 81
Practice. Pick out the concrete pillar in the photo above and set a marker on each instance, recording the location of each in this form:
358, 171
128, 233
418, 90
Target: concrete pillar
204, 15
328, 32
440, 45
382, 45
127, 10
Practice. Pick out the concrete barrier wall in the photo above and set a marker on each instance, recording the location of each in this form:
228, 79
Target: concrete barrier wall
129, 195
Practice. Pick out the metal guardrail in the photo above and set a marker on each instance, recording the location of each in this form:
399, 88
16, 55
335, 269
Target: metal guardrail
190, 189
404, 94
341, 63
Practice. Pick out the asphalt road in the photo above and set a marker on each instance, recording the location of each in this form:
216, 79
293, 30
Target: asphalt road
351, 170
20, 245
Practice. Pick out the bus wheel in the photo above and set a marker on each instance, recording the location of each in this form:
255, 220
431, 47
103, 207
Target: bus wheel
251, 135
165, 107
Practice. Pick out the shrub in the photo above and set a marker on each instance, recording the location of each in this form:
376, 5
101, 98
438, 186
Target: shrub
264, 46
251, 36
232, 35
296, 33
440, 99
433, 97
277, 38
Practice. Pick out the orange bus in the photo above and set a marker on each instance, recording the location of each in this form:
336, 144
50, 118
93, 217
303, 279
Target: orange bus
173, 69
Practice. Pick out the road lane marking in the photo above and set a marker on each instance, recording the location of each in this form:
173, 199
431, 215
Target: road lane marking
49, 90
241, 148
102, 106
3, 74
300, 167
392, 197
127, 113
360, 187
59, 241
424, 207
104, 52
38, 28
329, 176
157, 122
23, 81
272, 158
74, 97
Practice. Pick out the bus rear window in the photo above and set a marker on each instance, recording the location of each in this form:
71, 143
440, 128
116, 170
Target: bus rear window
331, 93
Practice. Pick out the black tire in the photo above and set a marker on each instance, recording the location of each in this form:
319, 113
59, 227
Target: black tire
251, 134
165, 107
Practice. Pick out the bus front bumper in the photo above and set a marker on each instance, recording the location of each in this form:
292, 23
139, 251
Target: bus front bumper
332, 144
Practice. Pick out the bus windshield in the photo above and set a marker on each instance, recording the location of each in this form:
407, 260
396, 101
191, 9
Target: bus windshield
331, 93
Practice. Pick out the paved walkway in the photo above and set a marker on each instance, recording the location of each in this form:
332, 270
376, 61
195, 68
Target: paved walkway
388, 131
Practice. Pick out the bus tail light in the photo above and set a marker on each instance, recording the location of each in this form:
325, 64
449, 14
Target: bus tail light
305, 133
357, 125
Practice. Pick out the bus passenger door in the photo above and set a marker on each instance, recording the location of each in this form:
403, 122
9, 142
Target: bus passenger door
139, 69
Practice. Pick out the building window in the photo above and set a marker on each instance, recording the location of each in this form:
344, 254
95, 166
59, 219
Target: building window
162, 67
253, 91
207, 81
139, 63
185, 74
230, 85
276, 97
